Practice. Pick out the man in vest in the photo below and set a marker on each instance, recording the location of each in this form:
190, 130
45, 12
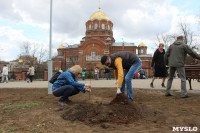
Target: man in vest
128, 62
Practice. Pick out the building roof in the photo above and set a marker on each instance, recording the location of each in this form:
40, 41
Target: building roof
73, 46
61, 46
142, 45
123, 44
99, 15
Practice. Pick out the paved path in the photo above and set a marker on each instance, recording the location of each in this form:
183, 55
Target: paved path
137, 84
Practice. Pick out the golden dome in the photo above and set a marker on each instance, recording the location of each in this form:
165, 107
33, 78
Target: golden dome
99, 15
61, 46
20, 60
142, 45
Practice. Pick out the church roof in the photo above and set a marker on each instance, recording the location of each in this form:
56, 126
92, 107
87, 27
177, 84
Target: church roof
73, 46
123, 44
61, 46
142, 45
99, 15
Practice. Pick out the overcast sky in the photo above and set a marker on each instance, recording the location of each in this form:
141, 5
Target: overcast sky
135, 21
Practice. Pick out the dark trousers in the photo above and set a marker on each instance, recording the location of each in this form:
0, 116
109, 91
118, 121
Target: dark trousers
31, 78
65, 92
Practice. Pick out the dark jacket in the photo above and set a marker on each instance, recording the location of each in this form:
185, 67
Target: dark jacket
128, 59
158, 59
68, 78
176, 54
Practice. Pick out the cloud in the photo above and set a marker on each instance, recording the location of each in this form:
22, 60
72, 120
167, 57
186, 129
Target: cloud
134, 20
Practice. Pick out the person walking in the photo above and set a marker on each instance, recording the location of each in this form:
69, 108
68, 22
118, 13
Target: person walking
158, 64
107, 71
175, 59
5, 74
128, 62
67, 85
96, 73
31, 72
83, 75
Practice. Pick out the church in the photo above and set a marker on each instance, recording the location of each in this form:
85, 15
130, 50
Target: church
97, 42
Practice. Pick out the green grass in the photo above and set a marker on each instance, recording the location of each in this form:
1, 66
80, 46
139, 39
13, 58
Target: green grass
21, 106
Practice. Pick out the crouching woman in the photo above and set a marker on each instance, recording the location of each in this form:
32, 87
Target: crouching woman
67, 85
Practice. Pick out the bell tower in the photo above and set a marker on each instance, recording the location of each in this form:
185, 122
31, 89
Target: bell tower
100, 27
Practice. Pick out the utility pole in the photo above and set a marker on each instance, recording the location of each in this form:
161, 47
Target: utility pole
50, 60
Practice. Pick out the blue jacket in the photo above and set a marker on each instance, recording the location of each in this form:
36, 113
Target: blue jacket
68, 78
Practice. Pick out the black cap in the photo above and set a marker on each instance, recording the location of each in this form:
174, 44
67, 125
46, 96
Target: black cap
103, 60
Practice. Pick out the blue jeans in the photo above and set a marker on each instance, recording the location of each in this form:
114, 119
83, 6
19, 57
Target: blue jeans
65, 92
2, 80
108, 76
96, 76
128, 76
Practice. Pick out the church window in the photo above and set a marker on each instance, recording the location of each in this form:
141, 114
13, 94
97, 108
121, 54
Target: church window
99, 57
93, 55
76, 58
87, 57
106, 51
142, 51
95, 26
69, 59
90, 27
103, 26
108, 27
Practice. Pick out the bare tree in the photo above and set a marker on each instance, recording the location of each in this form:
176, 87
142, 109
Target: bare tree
167, 39
31, 52
42, 55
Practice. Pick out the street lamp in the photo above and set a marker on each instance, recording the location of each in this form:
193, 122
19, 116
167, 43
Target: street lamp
50, 60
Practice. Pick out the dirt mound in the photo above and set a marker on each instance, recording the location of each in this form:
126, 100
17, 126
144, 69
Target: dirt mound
120, 111
121, 100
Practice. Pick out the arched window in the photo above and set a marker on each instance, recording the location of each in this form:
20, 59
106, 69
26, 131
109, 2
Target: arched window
108, 27
90, 27
99, 57
95, 26
103, 26
87, 57
93, 55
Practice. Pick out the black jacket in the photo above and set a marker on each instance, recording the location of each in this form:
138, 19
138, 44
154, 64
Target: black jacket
128, 59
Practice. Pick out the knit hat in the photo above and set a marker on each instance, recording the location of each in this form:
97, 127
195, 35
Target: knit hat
103, 60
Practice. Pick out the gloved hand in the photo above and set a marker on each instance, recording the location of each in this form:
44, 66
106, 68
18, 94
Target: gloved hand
116, 82
118, 91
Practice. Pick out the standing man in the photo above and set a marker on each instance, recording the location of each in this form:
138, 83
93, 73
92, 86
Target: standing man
5, 74
96, 73
31, 72
175, 59
128, 62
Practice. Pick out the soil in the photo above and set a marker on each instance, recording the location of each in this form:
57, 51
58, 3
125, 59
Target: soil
33, 110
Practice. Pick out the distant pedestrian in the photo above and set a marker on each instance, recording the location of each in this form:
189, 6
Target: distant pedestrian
142, 74
31, 72
5, 74
83, 75
96, 73
27, 77
175, 59
107, 71
158, 65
